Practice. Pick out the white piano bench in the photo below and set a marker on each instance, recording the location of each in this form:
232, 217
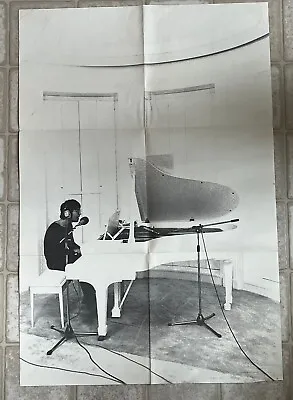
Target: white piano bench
50, 281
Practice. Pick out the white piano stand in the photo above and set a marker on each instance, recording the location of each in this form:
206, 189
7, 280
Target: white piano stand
226, 273
228, 284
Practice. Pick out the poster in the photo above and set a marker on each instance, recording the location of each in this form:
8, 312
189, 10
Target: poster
155, 122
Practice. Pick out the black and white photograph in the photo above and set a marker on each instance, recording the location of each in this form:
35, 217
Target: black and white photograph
148, 229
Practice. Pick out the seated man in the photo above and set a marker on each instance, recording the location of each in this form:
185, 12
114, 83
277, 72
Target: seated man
60, 248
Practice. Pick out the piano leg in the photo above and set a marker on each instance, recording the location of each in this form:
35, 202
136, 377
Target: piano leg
116, 312
228, 284
102, 300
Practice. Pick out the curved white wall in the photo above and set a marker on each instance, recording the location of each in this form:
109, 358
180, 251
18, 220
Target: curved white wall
150, 34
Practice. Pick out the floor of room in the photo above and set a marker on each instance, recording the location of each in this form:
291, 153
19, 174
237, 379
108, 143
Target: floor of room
182, 353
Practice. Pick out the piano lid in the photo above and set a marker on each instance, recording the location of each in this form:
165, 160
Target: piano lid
164, 197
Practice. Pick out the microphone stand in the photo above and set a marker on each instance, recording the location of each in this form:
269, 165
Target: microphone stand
68, 333
200, 319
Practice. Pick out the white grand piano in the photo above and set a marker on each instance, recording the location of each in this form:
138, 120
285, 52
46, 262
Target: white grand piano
125, 249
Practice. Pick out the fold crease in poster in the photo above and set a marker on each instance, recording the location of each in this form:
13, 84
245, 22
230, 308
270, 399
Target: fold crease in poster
148, 234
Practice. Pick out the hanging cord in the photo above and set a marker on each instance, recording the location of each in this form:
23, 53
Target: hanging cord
224, 315
79, 303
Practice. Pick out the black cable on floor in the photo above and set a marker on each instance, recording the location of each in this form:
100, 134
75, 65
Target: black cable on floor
129, 359
97, 365
112, 351
112, 377
223, 312
66, 370
121, 355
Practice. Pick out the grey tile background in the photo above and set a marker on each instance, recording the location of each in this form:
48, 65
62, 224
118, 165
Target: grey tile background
281, 25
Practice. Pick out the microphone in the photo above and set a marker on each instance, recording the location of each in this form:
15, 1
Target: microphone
82, 221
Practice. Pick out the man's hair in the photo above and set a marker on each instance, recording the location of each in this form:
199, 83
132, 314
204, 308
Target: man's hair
70, 205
